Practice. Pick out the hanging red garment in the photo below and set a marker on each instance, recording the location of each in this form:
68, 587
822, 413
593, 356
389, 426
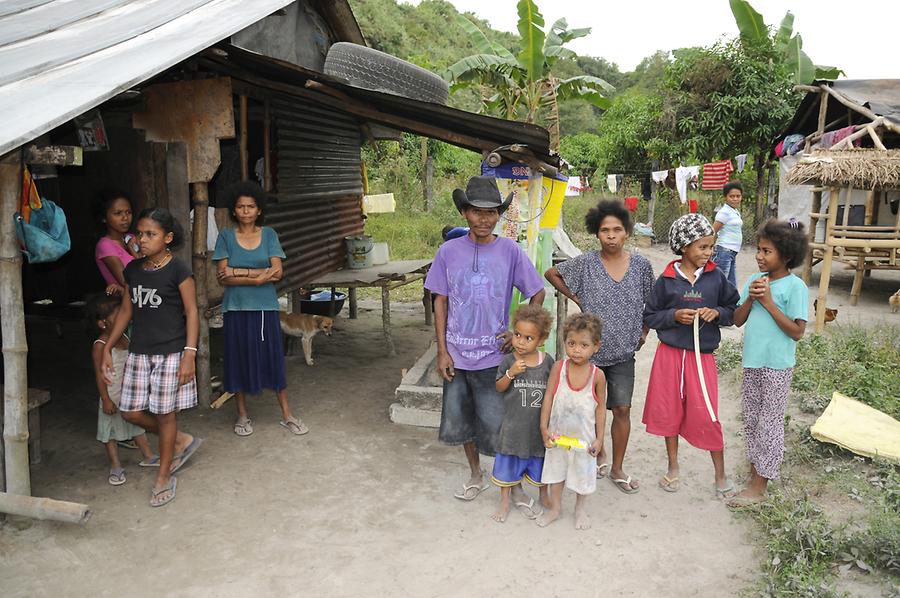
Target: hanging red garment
715, 174
631, 203
692, 206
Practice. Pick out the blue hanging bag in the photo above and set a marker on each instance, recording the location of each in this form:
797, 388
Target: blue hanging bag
45, 237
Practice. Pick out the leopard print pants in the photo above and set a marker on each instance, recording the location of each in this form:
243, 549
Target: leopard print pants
764, 399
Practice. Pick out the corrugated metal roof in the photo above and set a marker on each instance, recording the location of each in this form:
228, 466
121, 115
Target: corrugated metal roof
60, 58
472, 131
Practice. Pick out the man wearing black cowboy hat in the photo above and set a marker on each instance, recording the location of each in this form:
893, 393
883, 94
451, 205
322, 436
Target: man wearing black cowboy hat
472, 278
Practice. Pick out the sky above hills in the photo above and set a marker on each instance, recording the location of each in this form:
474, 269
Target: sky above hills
625, 31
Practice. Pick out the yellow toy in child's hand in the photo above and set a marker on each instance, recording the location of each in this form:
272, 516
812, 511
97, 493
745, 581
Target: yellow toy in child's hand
569, 443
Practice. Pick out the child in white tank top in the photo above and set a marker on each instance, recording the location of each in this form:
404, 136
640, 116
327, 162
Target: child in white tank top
573, 417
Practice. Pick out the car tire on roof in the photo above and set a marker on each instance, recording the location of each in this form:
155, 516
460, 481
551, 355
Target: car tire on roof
370, 69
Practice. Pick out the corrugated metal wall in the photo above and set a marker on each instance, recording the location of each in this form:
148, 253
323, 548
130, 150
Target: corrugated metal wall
319, 187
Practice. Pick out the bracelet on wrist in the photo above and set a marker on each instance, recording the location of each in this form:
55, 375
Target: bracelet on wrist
508, 376
194, 349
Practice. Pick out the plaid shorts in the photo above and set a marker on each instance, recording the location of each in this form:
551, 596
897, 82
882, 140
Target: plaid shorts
151, 382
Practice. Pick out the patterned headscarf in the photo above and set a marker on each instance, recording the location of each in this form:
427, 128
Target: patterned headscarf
688, 229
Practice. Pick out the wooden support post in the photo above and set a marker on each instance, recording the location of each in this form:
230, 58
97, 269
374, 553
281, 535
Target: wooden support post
825, 276
386, 319
562, 311
861, 260
427, 302
811, 234
15, 347
267, 147
201, 203
354, 307
44, 508
651, 207
242, 145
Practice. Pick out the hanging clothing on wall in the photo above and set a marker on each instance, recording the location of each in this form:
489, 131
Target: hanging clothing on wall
631, 203
683, 177
612, 183
646, 190
716, 174
741, 161
692, 206
659, 176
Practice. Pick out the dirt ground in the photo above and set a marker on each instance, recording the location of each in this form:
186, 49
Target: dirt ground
361, 506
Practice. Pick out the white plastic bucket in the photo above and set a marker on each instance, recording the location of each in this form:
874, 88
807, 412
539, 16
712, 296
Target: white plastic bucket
380, 254
359, 252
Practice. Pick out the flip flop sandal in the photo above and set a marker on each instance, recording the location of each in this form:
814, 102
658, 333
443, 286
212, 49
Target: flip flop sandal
156, 501
116, 476
727, 492
669, 484
129, 444
602, 470
736, 503
243, 426
624, 484
527, 509
186, 454
296, 426
471, 491
151, 462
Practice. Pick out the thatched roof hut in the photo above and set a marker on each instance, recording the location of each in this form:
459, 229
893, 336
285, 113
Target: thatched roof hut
855, 168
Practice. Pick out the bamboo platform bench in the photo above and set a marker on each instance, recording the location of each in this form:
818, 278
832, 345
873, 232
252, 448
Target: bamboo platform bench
37, 398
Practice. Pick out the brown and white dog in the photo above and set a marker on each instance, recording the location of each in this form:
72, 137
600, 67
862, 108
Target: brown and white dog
894, 300
304, 326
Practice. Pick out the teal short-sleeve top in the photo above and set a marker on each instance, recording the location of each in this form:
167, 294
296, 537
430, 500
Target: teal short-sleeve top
249, 298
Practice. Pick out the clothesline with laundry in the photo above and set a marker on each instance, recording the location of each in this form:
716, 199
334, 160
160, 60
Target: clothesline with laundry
709, 176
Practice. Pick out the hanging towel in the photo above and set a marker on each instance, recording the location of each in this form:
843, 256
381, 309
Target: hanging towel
612, 183
692, 206
683, 176
620, 182
832, 137
631, 203
659, 175
715, 174
741, 161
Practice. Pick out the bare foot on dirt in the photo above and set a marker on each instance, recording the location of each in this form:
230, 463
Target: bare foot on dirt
582, 521
548, 517
500, 514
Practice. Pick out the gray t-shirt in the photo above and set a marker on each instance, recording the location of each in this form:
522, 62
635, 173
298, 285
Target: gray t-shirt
619, 305
520, 433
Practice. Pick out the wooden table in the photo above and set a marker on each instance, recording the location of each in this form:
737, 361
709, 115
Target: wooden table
387, 277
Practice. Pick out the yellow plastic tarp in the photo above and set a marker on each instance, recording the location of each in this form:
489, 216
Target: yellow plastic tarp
858, 428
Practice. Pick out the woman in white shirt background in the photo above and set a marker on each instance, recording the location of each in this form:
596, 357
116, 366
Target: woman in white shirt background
729, 231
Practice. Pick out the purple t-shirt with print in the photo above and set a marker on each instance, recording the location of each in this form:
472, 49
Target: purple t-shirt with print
478, 281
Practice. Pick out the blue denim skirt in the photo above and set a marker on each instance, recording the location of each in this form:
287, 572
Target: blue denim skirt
254, 352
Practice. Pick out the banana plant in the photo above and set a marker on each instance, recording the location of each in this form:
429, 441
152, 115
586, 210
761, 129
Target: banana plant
789, 46
523, 85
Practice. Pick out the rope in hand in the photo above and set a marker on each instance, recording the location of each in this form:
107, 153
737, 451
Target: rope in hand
712, 414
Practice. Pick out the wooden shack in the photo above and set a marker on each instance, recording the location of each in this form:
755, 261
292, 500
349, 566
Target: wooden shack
850, 163
191, 101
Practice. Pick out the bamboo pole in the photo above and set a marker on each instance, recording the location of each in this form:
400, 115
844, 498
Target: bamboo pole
199, 232
856, 287
242, 146
44, 508
875, 138
811, 234
865, 244
854, 106
15, 346
825, 277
